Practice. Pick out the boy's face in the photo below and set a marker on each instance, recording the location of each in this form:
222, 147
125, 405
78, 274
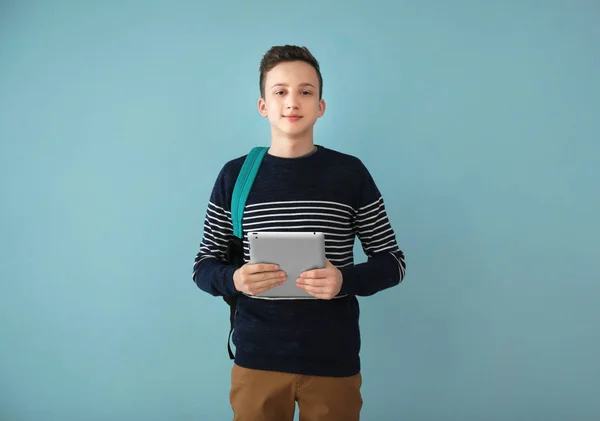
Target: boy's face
291, 101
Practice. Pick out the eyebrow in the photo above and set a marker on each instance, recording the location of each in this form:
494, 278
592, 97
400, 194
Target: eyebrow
302, 84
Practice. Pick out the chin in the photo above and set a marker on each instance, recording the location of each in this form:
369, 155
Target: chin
293, 131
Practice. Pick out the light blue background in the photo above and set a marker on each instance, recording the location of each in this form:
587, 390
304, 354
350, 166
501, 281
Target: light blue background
479, 121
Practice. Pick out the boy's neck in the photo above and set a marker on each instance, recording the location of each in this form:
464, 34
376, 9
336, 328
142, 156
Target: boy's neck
285, 147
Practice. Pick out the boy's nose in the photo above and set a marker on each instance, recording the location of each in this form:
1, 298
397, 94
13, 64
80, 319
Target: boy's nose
291, 102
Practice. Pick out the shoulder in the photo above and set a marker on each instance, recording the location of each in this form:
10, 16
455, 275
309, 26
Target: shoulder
344, 160
230, 170
354, 169
338, 155
225, 182
234, 166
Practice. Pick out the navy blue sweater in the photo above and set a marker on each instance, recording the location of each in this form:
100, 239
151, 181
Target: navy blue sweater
325, 191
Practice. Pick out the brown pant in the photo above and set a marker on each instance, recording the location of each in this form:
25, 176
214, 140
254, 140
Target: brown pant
258, 395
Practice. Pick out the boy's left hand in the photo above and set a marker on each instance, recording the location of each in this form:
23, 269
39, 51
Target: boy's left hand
321, 283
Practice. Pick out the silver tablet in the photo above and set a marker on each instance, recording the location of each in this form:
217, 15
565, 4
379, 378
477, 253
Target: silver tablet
294, 252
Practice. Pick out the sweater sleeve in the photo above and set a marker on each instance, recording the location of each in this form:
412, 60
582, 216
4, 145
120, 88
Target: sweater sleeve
385, 266
211, 273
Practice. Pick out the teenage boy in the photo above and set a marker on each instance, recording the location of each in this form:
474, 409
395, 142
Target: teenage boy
303, 351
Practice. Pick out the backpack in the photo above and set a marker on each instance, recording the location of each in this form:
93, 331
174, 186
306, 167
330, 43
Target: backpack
235, 247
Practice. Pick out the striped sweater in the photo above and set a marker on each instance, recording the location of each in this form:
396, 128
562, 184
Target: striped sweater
325, 191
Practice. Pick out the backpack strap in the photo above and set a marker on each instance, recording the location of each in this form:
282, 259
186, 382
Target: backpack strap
243, 185
235, 251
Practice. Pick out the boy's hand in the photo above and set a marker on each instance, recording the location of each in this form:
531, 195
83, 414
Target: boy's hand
254, 279
321, 283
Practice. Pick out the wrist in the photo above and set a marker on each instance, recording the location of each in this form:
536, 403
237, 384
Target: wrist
231, 280
347, 280
235, 279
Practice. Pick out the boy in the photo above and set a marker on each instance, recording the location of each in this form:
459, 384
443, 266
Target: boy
303, 351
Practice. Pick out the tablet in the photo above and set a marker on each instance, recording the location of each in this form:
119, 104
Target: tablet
294, 252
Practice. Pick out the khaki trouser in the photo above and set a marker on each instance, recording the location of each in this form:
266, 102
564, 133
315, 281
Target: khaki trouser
258, 395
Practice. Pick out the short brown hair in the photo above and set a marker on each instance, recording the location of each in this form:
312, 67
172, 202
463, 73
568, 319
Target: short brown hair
280, 54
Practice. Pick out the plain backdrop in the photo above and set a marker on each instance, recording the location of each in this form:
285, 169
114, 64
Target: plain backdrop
480, 122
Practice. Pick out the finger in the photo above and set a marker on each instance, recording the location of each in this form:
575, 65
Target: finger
311, 288
262, 286
250, 278
316, 291
316, 273
314, 282
266, 277
262, 267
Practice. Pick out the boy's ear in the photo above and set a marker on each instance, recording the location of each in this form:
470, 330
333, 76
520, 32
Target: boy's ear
262, 107
322, 107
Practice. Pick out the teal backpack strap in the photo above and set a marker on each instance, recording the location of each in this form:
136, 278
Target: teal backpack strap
243, 185
235, 248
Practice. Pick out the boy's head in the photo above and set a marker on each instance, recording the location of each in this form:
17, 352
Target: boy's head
291, 88
286, 54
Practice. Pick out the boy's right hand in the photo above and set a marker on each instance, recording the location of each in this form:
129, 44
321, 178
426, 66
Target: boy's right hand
254, 279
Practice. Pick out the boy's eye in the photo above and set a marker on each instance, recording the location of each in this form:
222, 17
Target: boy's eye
282, 92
